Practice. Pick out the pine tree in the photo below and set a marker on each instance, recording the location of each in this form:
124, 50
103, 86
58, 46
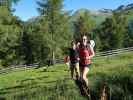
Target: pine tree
10, 30
128, 37
58, 24
84, 24
120, 23
112, 32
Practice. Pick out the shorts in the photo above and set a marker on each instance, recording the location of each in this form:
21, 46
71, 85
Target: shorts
74, 64
88, 65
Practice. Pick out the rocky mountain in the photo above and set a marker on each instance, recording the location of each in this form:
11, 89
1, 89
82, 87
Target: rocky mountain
125, 7
99, 16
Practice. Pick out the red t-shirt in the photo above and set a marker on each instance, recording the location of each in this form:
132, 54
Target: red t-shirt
83, 53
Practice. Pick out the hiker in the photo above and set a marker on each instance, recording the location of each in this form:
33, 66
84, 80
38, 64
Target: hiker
74, 60
86, 53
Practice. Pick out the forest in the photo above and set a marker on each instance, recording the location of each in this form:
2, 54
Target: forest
48, 35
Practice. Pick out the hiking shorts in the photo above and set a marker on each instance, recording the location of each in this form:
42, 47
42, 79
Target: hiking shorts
88, 65
74, 65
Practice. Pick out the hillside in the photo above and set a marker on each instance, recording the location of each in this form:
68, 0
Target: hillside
54, 83
125, 7
98, 16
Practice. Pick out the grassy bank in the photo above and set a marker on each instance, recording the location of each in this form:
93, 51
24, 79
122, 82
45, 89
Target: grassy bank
54, 83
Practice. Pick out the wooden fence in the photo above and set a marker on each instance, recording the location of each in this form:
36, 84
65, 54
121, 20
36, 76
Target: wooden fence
109, 53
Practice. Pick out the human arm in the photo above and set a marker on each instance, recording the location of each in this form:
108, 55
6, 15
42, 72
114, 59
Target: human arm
92, 52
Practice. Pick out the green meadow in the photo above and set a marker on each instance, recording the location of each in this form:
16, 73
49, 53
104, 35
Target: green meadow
54, 82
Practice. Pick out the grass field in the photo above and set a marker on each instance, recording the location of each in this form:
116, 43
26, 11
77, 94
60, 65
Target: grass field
54, 83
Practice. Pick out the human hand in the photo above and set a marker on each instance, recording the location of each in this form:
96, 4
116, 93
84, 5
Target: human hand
87, 57
78, 59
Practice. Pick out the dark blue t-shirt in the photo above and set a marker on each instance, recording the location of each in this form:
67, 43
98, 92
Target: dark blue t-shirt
73, 53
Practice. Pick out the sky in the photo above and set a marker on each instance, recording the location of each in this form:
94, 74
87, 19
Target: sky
27, 9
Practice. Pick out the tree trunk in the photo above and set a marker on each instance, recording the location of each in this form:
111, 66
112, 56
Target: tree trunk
53, 57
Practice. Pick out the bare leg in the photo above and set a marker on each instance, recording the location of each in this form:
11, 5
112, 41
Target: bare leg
85, 72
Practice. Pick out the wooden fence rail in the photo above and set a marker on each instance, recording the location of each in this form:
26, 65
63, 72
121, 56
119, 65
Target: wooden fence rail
61, 61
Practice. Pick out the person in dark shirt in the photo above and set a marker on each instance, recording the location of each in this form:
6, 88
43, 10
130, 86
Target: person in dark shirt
74, 60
